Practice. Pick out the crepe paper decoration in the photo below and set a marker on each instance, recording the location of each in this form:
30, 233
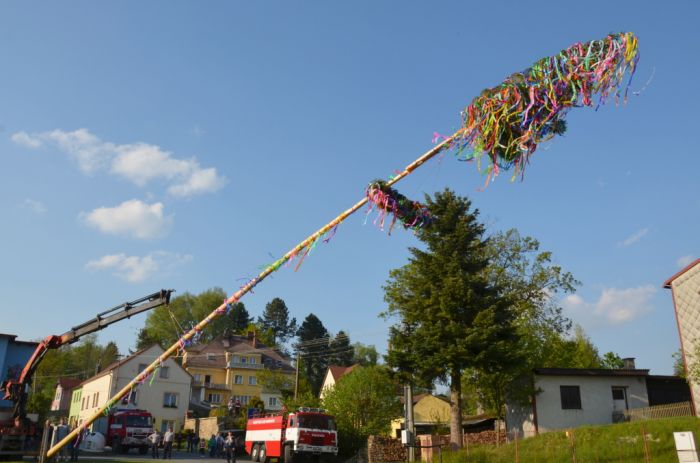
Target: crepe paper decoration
507, 122
388, 201
464, 137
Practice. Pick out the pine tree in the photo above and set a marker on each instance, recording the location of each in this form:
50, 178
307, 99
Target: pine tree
341, 350
314, 350
240, 318
451, 316
276, 317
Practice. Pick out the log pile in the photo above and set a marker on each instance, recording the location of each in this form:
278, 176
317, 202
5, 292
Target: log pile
385, 449
485, 437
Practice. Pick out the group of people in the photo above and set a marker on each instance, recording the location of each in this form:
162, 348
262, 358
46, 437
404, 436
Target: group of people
58, 433
166, 440
218, 445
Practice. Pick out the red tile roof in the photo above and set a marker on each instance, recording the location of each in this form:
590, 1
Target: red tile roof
337, 371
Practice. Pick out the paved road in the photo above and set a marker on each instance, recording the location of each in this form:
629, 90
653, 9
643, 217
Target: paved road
179, 455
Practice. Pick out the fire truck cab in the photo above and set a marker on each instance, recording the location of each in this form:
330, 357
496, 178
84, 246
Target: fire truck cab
308, 432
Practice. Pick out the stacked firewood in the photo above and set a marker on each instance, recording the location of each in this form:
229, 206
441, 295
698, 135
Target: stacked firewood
385, 449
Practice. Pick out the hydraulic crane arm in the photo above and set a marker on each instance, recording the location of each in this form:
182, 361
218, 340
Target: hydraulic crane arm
15, 390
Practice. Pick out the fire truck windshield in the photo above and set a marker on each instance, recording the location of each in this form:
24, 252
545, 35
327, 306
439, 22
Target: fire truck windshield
136, 421
316, 422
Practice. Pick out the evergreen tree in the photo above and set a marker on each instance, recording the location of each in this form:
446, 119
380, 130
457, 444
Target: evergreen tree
314, 350
341, 351
240, 318
451, 316
276, 317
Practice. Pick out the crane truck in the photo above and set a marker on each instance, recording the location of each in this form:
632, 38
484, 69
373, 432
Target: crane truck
17, 433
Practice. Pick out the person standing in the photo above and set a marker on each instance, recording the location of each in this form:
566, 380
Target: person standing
154, 439
168, 438
190, 442
230, 448
75, 450
59, 434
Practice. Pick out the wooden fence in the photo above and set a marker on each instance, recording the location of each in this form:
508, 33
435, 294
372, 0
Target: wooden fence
659, 411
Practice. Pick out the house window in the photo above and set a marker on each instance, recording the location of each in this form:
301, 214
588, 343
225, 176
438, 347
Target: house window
130, 398
211, 357
570, 397
170, 400
142, 366
214, 398
95, 398
234, 359
253, 361
238, 379
197, 378
165, 372
618, 393
244, 359
252, 380
207, 379
242, 399
272, 402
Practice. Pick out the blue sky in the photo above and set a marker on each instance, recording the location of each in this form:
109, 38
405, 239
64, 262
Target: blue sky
181, 145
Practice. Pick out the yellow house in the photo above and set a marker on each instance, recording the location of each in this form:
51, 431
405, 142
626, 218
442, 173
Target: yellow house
228, 368
429, 413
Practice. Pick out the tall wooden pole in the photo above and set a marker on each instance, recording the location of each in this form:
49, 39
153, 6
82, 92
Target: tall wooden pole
296, 377
222, 309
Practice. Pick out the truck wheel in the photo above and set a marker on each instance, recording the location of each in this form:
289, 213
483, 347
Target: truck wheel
255, 453
262, 455
288, 454
116, 445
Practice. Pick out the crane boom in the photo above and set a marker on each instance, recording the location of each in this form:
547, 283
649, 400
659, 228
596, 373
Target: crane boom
15, 390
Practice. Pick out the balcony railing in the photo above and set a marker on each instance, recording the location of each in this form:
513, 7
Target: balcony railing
247, 366
210, 385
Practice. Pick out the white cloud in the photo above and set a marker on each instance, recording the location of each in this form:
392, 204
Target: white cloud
614, 306
35, 206
200, 181
131, 218
636, 236
135, 269
139, 163
685, 261
26, 140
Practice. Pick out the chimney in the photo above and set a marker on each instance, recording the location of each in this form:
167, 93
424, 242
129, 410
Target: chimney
252, 337
628, 363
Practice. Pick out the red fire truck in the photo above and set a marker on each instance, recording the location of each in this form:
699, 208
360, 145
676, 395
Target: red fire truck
126, 428
307, 432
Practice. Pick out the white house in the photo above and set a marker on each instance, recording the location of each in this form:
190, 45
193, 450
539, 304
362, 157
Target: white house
333, 374
166, 397
571, 397
685, 290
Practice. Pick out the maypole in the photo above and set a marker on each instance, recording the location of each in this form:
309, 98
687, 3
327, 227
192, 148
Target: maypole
505, 123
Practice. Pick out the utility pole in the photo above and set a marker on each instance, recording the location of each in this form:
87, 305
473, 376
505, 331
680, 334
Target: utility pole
296, 379
408, 399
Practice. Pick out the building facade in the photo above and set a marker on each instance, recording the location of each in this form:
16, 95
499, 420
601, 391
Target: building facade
63, 396
166, 395
685, 290
229, 369
571, 397
333, 374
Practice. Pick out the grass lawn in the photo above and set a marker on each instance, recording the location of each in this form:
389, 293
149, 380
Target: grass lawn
611, 443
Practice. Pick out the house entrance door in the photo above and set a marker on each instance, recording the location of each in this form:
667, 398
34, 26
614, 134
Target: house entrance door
619, 396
